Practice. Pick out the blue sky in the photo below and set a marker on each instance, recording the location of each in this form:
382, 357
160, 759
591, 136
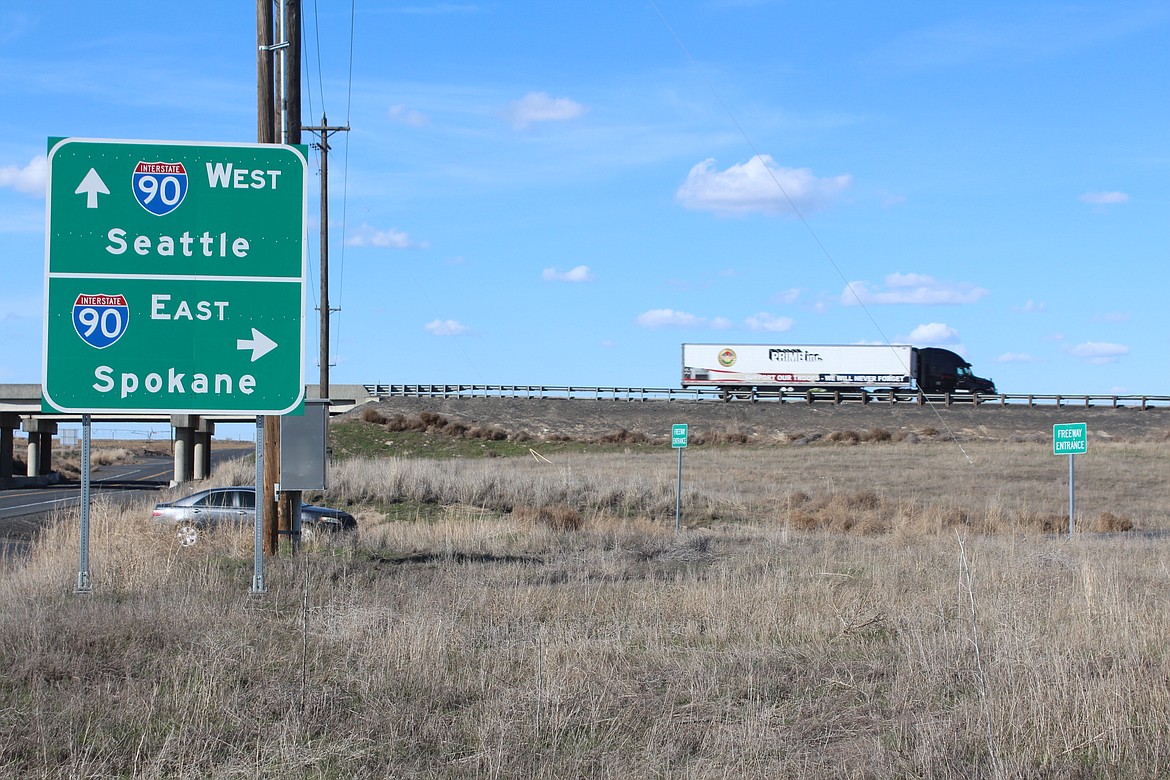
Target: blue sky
563, 193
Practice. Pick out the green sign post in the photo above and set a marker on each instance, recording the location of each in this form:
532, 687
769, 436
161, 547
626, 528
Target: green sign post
174, 277
1070, 439
678, 440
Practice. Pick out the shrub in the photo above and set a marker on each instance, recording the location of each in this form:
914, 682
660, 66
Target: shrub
845, 437
559, 517
1107, 522
372, 415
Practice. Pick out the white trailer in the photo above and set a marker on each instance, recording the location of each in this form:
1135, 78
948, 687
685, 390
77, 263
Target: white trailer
799, 366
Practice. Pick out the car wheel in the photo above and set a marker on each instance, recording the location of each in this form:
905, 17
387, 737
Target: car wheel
187, 534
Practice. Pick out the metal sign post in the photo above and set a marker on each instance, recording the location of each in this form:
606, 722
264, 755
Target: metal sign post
258, 541
678, 440
83, 583
1070, 439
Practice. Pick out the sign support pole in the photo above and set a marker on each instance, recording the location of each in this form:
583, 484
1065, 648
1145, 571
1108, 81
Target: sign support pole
83, 583
1070, 439
261, 508
678, 440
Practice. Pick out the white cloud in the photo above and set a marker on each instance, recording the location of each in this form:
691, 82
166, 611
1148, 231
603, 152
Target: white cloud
911, 288
579, 274
1099, 351
769, 322
1032, 307
446, 328
392, 239
30, 179
1016, 357
670, 318
934, 334
758, 186
539, 107
789, 296
406, 116
1104, 198
1112, 316
658, 318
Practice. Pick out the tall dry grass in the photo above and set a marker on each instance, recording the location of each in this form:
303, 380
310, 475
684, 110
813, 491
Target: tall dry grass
871, 488
481, 643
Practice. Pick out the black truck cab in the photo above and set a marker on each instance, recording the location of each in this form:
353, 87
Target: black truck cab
943, 371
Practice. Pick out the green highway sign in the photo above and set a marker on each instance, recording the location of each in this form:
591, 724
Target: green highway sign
174, 277
1070, 439
678, 435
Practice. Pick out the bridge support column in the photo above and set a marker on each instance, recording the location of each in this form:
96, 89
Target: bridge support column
9, 422
40, 445
201, 455
184, 425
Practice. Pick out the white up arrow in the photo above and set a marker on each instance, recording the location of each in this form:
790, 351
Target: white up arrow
260, 345
91, 185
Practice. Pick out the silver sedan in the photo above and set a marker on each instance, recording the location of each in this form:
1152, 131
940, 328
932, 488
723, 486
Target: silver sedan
195, 514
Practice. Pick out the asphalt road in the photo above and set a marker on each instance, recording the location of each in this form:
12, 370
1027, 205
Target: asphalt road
24, 510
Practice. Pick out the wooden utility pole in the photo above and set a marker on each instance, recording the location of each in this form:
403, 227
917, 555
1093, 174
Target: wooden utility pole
273, 113
289, 501
265, 112
266, 121
323, 355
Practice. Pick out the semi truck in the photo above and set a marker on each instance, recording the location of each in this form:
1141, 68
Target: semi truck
818, 367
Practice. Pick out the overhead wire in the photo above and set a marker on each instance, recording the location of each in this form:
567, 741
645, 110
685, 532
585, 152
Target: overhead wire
322, 149
796, 210
345, 176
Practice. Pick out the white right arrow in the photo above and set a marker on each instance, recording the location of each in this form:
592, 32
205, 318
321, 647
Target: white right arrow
91, 185
260, 345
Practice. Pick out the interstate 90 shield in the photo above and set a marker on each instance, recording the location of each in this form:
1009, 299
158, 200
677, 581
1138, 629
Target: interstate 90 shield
100, 319
160, 187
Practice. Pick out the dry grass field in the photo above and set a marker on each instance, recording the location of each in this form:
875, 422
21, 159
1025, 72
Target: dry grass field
859, 606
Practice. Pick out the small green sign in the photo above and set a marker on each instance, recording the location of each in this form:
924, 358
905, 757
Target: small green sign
1070, 438
174, 277
678, 435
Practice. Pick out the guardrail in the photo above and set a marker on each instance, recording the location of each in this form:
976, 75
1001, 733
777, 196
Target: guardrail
573, 392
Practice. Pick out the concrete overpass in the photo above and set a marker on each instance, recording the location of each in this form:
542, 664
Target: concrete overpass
20, 407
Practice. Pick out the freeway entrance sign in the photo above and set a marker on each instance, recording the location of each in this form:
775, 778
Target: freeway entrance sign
174, 277
1070, 438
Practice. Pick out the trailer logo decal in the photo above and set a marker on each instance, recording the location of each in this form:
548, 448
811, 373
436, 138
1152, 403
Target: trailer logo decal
794, 355
727, 357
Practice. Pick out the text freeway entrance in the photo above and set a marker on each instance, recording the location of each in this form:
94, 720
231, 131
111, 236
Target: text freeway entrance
174, 277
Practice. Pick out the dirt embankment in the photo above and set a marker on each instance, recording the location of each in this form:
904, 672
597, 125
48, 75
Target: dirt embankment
587, 418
